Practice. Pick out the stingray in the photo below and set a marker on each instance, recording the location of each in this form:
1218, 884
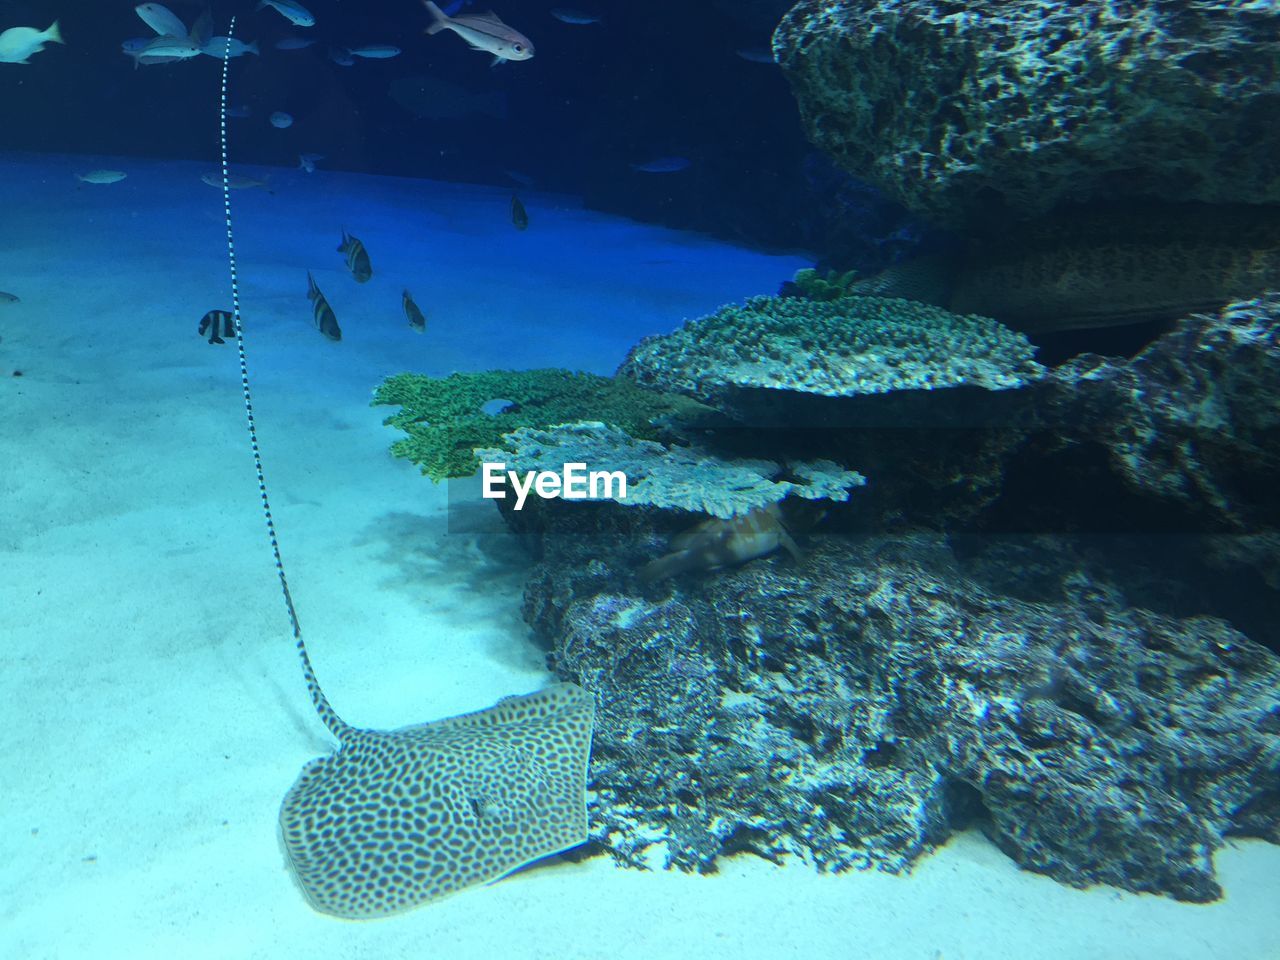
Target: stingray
397, 818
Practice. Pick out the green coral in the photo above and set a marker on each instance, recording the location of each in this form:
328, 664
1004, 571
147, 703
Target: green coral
444, 420
831, 285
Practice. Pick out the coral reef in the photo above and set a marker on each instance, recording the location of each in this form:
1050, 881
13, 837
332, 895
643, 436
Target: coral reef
842, 348
857, 707
672, 477
445, 418
1052, 625
959, 111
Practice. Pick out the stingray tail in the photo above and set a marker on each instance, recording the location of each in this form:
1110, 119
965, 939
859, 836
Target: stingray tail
327, 714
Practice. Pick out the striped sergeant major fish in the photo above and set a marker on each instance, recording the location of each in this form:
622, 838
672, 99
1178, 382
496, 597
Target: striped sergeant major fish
417, 321
357, 257
322, 313
218, 324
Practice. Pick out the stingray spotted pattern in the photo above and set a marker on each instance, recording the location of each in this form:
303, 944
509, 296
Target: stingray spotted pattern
395, 819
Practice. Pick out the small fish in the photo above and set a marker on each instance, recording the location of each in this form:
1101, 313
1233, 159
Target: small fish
718, 543
482, 32
321, 312
417, 320
19, 43
218, 324
521, 178
234, 181
662, 165
291, 10
281, 120
566, 15
308, 161
341, 57
375, 51
293, 43
161, 19
519, 216
357, 257
240, 112
11, 298
101, 176
228, 46
756, 54
167, 50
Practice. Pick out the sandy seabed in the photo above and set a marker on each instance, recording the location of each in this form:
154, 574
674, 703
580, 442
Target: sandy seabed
152, 708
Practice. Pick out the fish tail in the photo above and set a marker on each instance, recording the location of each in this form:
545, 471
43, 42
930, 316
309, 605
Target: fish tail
438, 19
54, 33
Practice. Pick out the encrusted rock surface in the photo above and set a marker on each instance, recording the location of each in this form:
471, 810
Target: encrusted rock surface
1195, 418
959, 110
857, 707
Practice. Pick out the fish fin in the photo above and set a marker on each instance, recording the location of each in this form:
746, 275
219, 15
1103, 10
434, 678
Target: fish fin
312, 289
497, 60
789, 545
438, 19
488, 17
53, 34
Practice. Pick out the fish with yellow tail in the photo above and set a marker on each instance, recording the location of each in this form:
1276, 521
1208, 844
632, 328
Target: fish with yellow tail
482, 32
718, 543
322, 313
357, 257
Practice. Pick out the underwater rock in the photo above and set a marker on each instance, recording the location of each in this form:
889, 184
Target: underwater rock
858, 706
1020, 106
1192, 421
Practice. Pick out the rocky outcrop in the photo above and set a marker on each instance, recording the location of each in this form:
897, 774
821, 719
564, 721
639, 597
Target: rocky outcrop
960, 111
856, 707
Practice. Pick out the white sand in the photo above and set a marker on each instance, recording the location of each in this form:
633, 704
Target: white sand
153, 712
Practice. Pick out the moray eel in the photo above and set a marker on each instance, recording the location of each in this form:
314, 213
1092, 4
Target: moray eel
1100, 269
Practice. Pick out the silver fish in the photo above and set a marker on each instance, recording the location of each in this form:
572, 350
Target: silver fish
662, 165
291, 10
13, 298
161, 19
234, 181
375, 51
578, 17
101, 176
321, 312
357, 257
417, 320
482, 32
167, 50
